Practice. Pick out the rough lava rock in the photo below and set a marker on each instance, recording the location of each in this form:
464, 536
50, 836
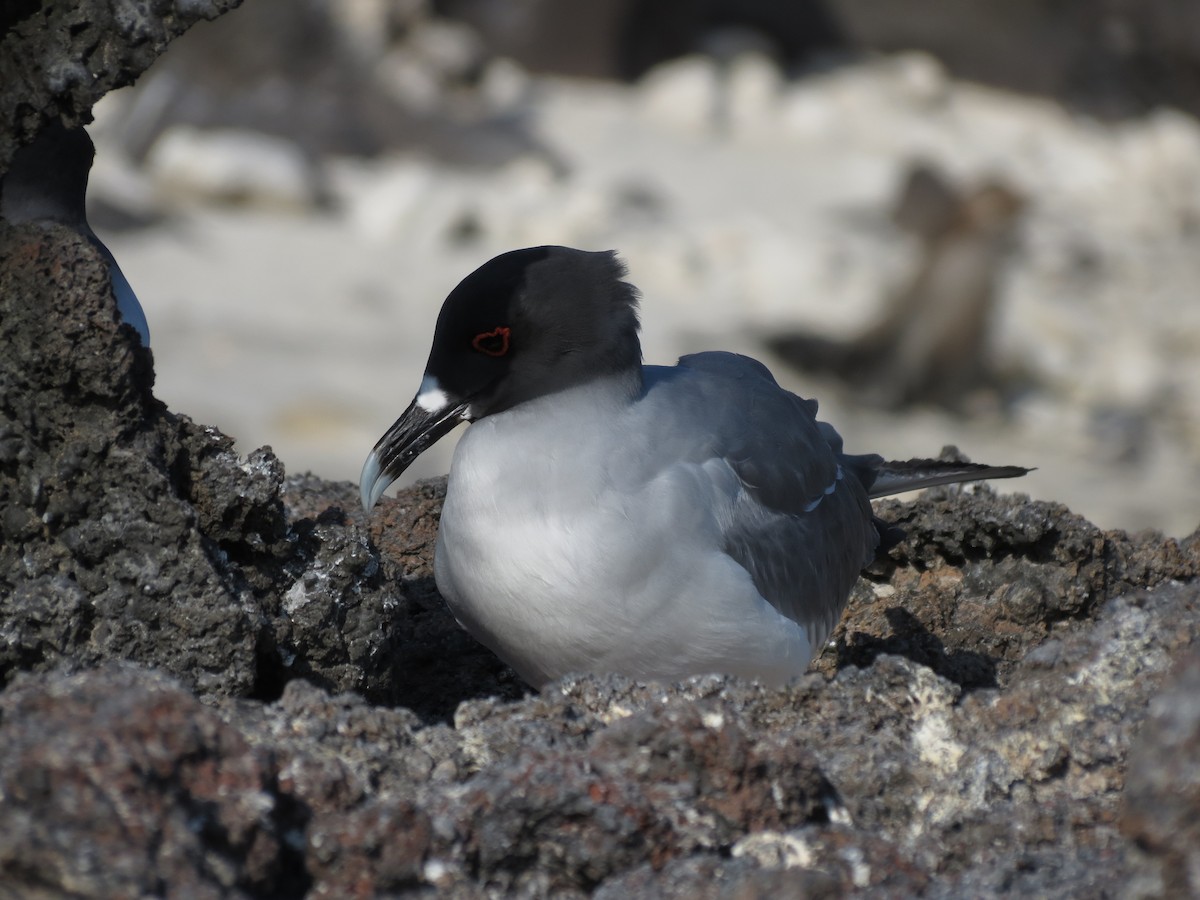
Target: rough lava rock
216, 681
57, 59
128, 532
1162, 786
118, 782
102, 554
263, 689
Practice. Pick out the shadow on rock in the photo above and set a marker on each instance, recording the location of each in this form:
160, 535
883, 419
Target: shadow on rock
981, 579
131, 533
912, 640
428, 664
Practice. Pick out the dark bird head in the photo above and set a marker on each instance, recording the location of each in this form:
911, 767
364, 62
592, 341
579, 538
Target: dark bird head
524, 325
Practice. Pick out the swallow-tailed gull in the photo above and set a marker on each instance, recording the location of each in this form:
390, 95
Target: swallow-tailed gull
607, 516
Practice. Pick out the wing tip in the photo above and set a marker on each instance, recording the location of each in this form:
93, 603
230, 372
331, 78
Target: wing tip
898, 476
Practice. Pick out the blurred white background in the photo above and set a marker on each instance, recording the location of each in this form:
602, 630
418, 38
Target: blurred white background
291, 230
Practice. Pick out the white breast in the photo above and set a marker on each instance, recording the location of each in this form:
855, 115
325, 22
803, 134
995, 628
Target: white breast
563, 556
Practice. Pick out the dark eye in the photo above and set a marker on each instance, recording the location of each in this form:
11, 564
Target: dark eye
492, 343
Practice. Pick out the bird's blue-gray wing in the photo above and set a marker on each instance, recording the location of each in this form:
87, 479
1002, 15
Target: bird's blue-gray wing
801, 524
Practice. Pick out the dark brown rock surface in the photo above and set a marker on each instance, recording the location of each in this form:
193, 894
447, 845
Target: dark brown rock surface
294, 710
58, 58
297, 712
106, 496
1162, 793
221, 682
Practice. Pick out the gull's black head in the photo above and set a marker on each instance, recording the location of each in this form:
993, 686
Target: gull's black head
524, 325
532, 322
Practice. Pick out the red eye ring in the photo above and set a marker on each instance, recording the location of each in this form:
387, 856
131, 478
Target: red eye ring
492, 343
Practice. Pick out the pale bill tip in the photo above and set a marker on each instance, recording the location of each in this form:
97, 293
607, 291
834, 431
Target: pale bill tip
371, 484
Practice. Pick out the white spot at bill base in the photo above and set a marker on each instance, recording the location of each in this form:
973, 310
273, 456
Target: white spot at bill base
430, 396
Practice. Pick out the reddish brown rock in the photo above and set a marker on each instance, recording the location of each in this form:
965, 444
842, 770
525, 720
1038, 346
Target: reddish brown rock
119, 783
1162, 787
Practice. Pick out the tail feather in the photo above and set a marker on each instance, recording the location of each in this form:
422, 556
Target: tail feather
895, 477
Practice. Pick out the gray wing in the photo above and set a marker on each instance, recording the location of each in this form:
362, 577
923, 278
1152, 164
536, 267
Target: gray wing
801, 524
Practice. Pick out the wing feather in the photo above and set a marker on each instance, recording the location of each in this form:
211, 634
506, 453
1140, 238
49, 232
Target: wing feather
800, 524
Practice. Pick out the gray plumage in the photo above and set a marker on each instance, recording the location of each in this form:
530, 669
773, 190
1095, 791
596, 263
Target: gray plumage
654, 521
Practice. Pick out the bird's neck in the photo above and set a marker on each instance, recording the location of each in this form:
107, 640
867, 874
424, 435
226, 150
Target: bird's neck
22, 205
